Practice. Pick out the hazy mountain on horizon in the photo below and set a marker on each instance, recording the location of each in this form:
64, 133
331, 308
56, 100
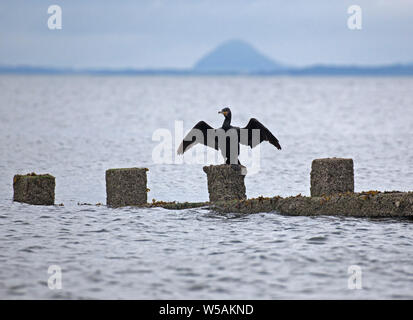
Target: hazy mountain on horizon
236, 56
229, 58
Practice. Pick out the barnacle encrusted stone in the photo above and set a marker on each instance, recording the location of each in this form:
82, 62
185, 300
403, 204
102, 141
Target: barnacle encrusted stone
126, 187
331, 175
363, 204
38, 189
225, 182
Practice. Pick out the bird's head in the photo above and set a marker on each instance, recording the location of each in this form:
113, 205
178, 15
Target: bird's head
226, 112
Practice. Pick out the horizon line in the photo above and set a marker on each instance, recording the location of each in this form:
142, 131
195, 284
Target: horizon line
351, 69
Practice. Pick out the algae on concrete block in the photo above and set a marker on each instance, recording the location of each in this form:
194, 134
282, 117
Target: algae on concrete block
225, 182
363, 204
331, 175
34, 189
126, 187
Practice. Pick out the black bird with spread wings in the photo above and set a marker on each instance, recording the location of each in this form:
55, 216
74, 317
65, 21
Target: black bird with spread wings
227, 138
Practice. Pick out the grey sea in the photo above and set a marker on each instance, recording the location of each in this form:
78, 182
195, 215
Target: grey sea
76, 127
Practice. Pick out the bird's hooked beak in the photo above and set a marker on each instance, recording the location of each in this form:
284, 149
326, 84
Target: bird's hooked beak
223, 112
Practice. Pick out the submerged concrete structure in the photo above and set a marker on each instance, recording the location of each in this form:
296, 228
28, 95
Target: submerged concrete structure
368, 204
126, 187
226, 182
364, 204
32, 188
331, 175
332, 193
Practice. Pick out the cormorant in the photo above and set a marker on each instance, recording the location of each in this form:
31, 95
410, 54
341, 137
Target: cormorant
227, 138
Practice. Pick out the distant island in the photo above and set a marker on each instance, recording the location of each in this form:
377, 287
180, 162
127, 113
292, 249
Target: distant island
236, 56
233, 57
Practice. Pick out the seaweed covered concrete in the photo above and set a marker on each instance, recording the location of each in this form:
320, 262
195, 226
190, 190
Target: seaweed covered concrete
32, 188
363, 204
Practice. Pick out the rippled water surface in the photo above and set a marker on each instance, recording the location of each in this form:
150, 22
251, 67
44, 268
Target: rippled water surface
77, 127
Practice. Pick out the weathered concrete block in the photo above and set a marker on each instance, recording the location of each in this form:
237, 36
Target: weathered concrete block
225, 182
331, 176
34, 189
126, 187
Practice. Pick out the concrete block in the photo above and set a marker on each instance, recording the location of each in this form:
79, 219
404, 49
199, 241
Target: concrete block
126, 187
331, 175
34, 189
225, 182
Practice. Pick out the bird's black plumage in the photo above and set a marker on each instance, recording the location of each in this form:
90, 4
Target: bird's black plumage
227, 138
265, 134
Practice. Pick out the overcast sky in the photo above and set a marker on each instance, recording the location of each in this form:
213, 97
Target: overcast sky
176, 33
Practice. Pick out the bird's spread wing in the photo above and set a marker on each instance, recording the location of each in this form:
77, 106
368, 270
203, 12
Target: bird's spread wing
198, 134
254, 139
